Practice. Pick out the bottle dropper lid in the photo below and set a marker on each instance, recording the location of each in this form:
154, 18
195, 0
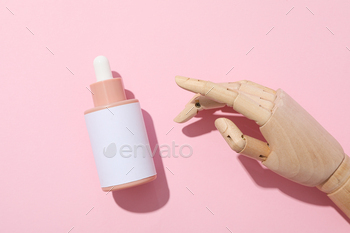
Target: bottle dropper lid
106, 90
102, 68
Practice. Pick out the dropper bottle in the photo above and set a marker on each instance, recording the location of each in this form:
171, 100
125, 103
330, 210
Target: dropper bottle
117, 133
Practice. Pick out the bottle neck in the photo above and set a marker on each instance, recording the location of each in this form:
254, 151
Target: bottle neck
108, 91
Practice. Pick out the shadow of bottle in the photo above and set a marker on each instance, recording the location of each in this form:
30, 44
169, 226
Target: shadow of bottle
151, 196
262, 177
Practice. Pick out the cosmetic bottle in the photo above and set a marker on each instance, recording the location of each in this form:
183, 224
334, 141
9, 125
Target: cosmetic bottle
117, 133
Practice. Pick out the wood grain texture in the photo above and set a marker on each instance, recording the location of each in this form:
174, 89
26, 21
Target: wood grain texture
251, 109
301, 149
338, 178
341, 198
255, 148
338, 186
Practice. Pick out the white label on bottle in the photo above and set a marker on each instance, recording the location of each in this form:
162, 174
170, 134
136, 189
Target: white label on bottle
120, 144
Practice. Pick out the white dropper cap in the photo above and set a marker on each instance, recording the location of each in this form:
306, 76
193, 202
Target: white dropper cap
102, 68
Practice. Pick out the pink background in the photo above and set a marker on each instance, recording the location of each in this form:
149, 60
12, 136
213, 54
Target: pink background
48, 176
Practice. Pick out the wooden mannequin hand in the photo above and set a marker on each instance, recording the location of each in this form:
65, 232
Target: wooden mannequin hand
298, 147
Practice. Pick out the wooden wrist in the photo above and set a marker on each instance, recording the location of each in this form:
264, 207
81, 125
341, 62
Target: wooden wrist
337, 186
